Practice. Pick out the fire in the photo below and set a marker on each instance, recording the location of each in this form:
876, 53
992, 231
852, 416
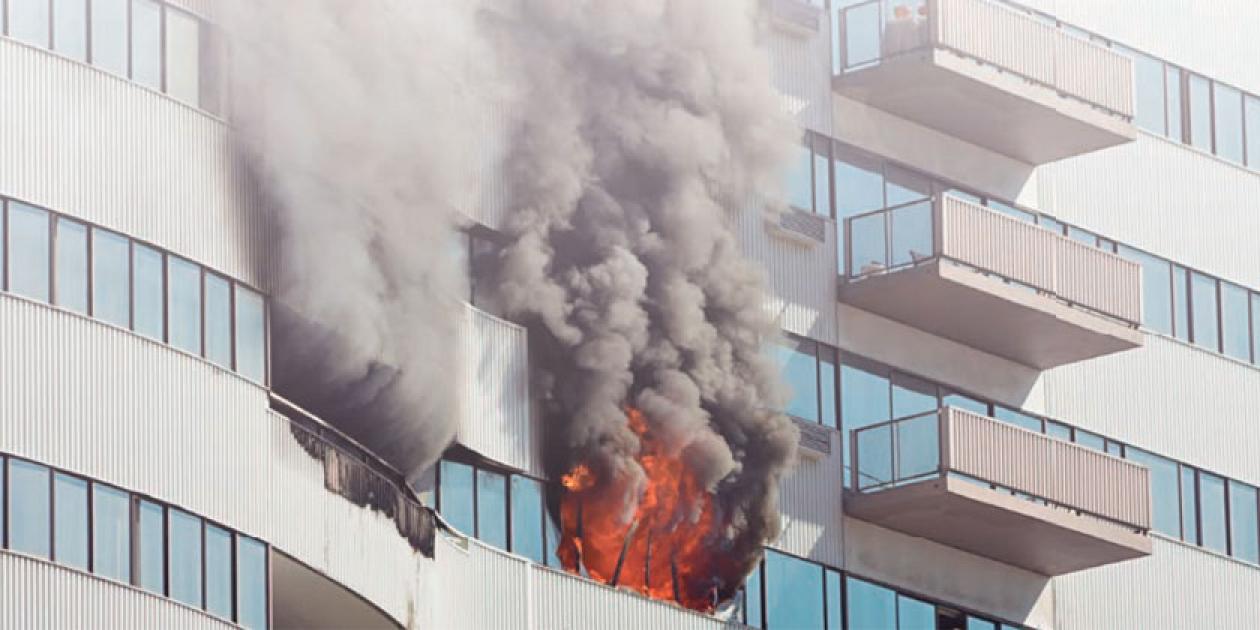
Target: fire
668, 548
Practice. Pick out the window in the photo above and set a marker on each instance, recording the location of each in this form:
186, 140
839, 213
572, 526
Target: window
902, 186
753, 613
218, 571
29, 260
1181, 303
111, 281
1255, 327
183, 48
913, 614
251, 583
184, 562
492, 508
72, 266
1017, 418
553, 541
1212, 512
1157, 308
870, 607
184, 304
1228, 122
1235, 322
28, 21
1251, 114
218, 320
1058, 431
1200, 103
799, 367
859, 189
527, 518
111, 533
1173, 85
29, 510
1010, 211
963, 401
70, 28
152, 547
109, 35
1244, 530
455, 496
146, 43
1166, 511
251, 335
833, 587
1148, 92
1091, 440
794, 592
822, 175
1203, 305
70, 520
3, 498
800, 184
1189, 505
911, 233
912, 396
149, 291
864, 398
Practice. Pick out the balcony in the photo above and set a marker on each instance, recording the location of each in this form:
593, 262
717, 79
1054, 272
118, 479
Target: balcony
986, 73
993, 282
1000, 491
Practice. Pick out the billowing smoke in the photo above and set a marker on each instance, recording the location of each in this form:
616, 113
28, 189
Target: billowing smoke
361, 120
641, 127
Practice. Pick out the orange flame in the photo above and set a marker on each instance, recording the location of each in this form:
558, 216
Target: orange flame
669, 548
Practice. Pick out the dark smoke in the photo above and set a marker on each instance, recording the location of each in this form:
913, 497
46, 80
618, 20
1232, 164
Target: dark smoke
641, 127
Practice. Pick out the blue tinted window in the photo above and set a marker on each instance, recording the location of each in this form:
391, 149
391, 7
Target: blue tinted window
111, 533
800, 183
913, 614
1017, 418
183, 50
1200, 103
111, 280
794, 593
1173, 85
1012, 211
1235, 322
492, 508
146, 43
251, 583
1157, 308
1189, 505
28, 21
152, 542
1082, 236
72, 266
1243, 527
835, 606
553, 541
1255, 327
864, 398
1251, 113
1212, 512
218, 571
975, 623
862, 35
822, 177
871, 607
1090, 440
1050, 224
70, 28
109, 35
1058, 431
1228, 122
455, 496
1203, 304
827, 384
903, 186
70, 518
911, 396
251, 335
1148, 93
218, 320
963, 401
911, 234
859, 183
1164, 495
527, 518
800, 373
1181, 303
752, 599
184, 563
29, 247
149, 291
4, 504
29, 509
184, 302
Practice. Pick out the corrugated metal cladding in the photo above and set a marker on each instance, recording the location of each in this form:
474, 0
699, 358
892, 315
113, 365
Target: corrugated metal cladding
802, 299
81, 141
1154, 194
495, 420
479, 587
103, 402
1197, 589
800, 67
209, 9
810, 502
1170, 398
39, 594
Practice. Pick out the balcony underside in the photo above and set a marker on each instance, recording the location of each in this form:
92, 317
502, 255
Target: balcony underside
987, 314
974, 518
303, 598
985, 106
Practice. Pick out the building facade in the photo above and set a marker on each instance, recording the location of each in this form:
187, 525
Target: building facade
1021, 328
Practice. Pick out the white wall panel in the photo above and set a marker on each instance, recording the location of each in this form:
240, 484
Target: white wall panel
1175, 587
495, 414
801, 277
86, 143
809, 499
800, 68
42, 595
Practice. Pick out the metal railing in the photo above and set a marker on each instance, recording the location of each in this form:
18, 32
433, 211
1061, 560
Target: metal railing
952, 441
951, 228
992, 33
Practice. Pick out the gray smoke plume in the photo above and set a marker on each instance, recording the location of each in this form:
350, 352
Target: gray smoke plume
360, 120
641, 127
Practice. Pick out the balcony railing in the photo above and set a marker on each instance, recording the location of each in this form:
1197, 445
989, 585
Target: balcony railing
992, 34
955, 442
1021, 253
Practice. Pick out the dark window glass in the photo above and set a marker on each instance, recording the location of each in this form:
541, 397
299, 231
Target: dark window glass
184, 304
111, 533
752, 599
799, 369
29, 508
29, 251
72, 266
152, 542
183, 50
28, 21
913, 614
800, 183
149, 291
871, 607
70, 518
218, 320
1200, 103
1165, 504
1212, 512
911, 395
492, 508
1017, 418
146, 43
1189, 505
111, 279
822, 177
455, 496
1251, 112
1181, 303
835, 606
1203, 302
1228, 122
794, 593
1058, 431
109, 35
527, 518
1157, 307
70, 28
1090, 440
827, 382
1173, 85
1148, 92
1235, 322
251, 583
218, 571
185, 560
864, 398
1243, 532
251, 335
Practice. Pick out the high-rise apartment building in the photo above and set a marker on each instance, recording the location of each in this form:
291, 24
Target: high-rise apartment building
1017, 284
